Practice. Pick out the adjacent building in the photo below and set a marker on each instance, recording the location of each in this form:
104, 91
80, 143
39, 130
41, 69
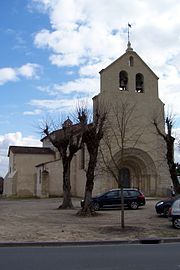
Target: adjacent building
21, 178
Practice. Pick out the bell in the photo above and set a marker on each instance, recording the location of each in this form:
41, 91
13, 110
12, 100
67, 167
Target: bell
122, 83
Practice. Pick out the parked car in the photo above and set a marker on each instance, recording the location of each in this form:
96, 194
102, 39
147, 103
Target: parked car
174, 213
133, 198
162, 207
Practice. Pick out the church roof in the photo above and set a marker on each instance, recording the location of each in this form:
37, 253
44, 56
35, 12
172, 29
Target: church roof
74, 128
30, 150
130, 51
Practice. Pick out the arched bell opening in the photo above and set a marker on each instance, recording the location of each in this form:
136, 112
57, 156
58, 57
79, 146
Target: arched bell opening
139, 83
123, 80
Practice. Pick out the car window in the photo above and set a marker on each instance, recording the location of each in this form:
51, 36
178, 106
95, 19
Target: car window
176, 204
133, 193
125, 193
112, 194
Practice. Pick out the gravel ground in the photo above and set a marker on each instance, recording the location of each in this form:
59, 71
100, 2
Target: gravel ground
39, 220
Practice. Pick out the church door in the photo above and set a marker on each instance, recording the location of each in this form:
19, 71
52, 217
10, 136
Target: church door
124, 177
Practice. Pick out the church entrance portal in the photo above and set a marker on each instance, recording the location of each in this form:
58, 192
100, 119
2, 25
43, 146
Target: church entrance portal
137, 170
124, 177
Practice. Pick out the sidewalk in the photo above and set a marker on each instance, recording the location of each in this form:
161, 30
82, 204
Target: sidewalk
39, 221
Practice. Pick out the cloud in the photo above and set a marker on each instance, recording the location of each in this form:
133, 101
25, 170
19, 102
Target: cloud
176, 134
13, 139
92, 69
59, 105
70, 59
86, 86
73, 48
35, 112
7, 74
169, 84
28, 71
89, 35
81, 30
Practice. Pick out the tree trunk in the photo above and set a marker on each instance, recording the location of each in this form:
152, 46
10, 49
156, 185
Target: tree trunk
122, 208
170, 152
87, 209
67, 201
173, 173
171, 164
120, 185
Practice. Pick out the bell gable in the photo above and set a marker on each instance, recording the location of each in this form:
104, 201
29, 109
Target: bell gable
131, 74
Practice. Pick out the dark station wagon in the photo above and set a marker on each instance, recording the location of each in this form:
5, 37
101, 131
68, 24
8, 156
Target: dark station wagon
133, 198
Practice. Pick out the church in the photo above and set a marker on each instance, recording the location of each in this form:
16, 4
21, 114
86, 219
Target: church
137, 154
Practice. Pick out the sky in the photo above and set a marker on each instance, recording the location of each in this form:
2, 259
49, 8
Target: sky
52, 51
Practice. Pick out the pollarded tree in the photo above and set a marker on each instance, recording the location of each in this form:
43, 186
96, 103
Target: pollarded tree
92, 134
169, 140
67, 141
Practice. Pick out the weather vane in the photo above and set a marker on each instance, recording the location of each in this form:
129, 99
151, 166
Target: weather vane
129, 43
129, 26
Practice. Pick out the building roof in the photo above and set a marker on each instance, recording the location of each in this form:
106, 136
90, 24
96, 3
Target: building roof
130, 52
48, 162
30, 150
73, 129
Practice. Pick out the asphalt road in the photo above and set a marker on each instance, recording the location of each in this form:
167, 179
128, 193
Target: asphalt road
98, 257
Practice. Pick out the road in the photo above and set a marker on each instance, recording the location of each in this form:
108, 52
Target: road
94, 257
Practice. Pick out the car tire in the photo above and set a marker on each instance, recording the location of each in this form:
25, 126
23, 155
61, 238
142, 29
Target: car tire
165, 211
96, 206
134, 205
176, 223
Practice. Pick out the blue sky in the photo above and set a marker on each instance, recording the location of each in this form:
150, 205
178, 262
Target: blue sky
52, 51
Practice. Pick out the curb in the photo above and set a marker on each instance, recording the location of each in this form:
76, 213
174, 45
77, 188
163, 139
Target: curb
85, 243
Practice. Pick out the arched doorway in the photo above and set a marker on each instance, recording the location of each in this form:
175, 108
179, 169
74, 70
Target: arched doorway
137, 170
124, 177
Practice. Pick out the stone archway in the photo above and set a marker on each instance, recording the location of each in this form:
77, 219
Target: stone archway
141, 169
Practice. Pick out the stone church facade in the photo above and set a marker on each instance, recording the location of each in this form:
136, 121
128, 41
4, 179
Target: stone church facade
129, 87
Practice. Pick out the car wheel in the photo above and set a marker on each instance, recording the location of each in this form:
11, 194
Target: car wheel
165, 211
176, 223
96, 206
134, 205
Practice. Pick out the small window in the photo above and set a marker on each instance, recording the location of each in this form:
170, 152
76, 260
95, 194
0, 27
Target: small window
139, 83
131, 61
123, 80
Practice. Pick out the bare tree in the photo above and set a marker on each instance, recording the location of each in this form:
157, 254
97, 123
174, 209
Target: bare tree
120, 133
91, 136
67, 141
169, 140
